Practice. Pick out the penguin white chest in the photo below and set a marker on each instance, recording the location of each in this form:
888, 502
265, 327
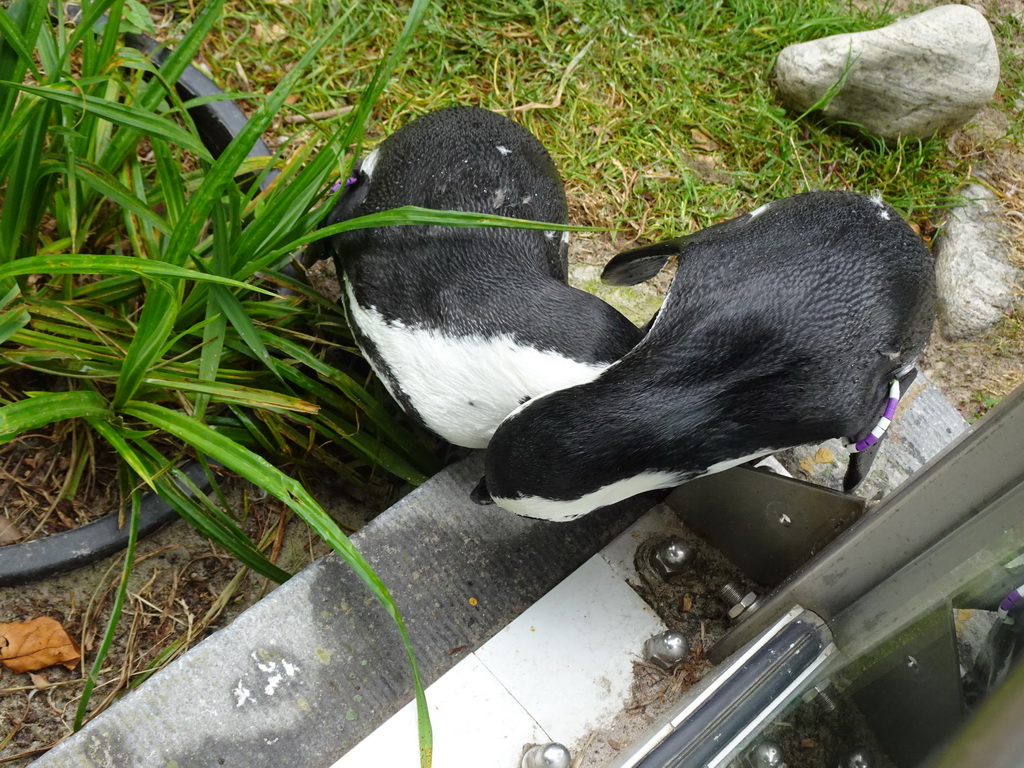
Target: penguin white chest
463, 386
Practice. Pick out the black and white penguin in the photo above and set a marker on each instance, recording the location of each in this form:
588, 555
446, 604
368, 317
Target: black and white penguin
792, 324
464, 324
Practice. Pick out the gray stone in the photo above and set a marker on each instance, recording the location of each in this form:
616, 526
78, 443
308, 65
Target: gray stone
976, 281
926, 73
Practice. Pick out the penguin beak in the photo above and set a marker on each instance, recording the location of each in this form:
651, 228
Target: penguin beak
480, 494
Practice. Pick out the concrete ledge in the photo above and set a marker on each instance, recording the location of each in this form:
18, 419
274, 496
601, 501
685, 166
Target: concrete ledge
306, 673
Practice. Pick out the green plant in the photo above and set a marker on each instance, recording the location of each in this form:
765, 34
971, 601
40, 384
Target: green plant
137, 280
133, 270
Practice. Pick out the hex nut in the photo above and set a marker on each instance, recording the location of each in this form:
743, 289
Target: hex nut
671, 556
856, 757
767, 754
737, 610
552, 755
667, 649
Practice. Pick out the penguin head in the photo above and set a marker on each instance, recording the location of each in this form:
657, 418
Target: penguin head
567, 453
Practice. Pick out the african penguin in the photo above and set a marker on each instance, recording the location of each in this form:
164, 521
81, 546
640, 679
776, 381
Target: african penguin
792, 324
464, 324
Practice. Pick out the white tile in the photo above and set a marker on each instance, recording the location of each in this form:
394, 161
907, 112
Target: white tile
660, 522
476, 723
568, 659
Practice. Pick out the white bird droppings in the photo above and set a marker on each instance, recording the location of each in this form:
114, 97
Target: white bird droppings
274, 678
876, 198
242, 694
272, 682
503, 150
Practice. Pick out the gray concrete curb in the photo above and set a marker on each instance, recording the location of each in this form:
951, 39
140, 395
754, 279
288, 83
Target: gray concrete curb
306, 673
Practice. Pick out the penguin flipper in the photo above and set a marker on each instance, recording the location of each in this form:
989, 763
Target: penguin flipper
860, 463
639, 264
859, 466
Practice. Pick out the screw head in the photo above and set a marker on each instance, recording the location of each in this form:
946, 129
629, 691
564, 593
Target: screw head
667, 649
672, 556
552, 755
856, 757
767, 754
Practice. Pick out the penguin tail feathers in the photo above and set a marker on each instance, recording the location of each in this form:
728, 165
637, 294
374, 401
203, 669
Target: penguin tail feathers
639, 264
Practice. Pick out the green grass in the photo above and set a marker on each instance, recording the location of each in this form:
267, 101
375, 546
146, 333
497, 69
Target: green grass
667, 120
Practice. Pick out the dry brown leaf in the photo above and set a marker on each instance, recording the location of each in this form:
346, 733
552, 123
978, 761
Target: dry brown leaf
39, 681
26, 646
702, 141
9, 532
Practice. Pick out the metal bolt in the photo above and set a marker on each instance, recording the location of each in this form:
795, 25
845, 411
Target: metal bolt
551, 755
667, 649
740, 602
766, 755
857, 757
731, 593
671, 556
822, 693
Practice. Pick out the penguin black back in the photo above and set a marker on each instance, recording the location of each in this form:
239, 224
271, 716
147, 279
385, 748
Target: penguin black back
463, 324
782, 327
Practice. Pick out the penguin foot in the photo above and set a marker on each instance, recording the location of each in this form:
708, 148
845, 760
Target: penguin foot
480, 494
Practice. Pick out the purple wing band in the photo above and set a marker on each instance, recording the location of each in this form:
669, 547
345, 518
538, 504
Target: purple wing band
867, 442
337, 185
883, 423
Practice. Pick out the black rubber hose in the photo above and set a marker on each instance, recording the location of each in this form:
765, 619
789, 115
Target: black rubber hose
66, 551
218, 122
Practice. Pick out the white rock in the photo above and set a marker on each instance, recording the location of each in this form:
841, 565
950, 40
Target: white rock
975, 279
929, 72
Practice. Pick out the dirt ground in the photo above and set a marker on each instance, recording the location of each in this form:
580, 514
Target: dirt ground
183, 588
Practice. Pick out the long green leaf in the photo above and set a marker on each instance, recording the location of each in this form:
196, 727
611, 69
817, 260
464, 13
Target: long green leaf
404, 216
23, 197
96, 264
10, 36
176, 489
23, 20
156, 322
232, 393
116, 192
235, 313
115, 614
14, 319
47, 407
120, 114
259, 472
